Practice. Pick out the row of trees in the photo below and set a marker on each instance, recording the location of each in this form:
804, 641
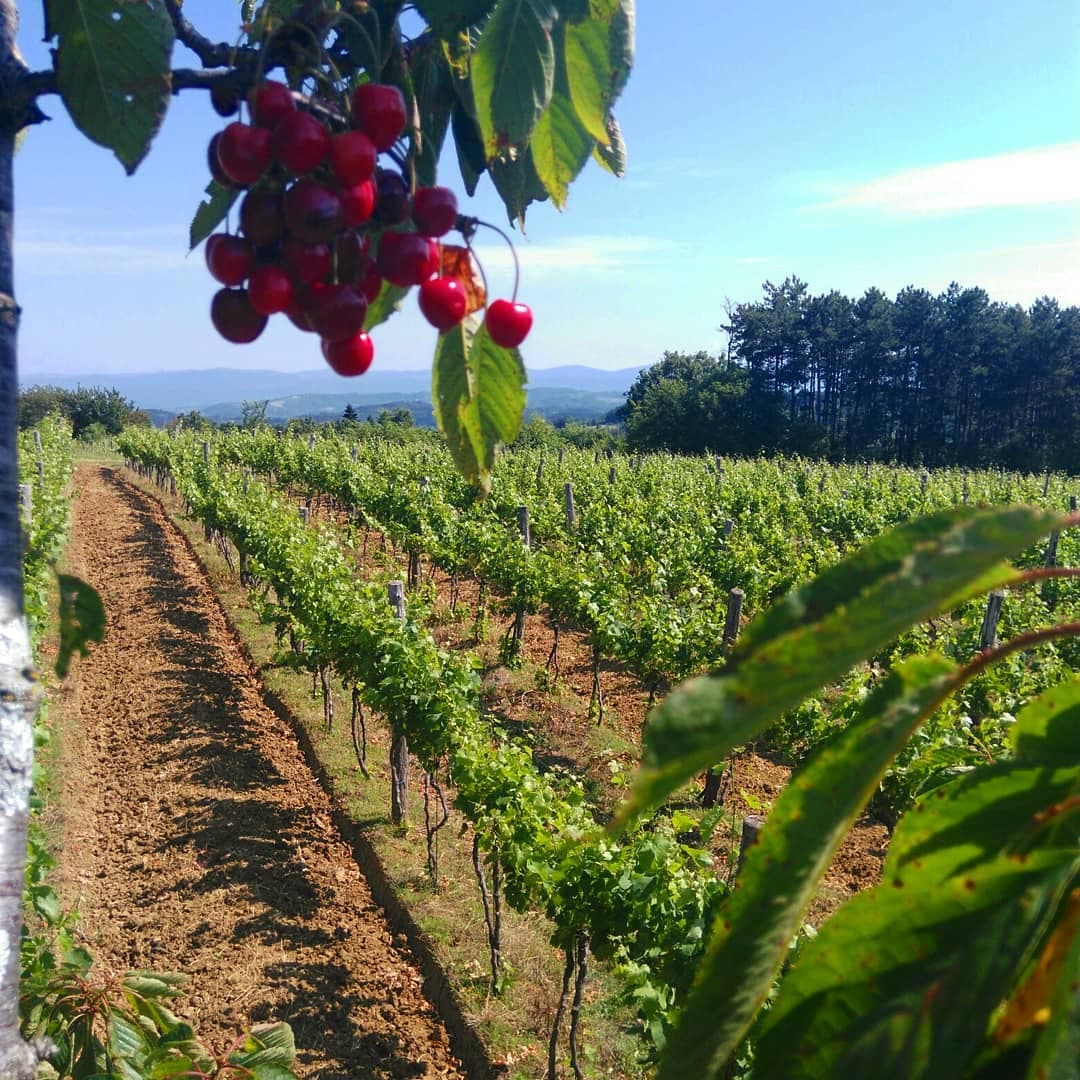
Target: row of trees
93, 412
949, 379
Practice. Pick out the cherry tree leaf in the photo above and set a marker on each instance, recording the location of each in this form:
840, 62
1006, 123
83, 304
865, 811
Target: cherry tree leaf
457, 262
113, 70
478, 389
513, 72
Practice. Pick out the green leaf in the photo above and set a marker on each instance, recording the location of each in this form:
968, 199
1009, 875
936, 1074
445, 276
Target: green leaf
817, 633
590, 67
46, 903
211, 213
613, 156
513, 72
125, 1038
478, 389
469, 144
433, 85
449, 17
560, 146
622, 46
781, 872
1000, 807
113, 70
267, 1045
1057, 1049
518, 185
1048, 727
386, 303
82, 620
907, 950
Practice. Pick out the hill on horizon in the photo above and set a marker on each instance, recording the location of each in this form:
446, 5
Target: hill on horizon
568, 392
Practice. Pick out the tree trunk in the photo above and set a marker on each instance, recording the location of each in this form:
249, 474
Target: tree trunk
18, 687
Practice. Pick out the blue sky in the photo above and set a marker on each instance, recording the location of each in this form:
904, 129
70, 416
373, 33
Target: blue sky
851, 144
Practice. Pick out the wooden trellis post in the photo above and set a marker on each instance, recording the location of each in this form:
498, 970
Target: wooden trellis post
399, 747
988, 637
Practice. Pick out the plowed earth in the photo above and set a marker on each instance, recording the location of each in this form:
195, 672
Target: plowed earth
194, 836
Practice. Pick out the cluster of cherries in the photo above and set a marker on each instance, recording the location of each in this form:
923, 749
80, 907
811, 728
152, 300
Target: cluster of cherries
323, 226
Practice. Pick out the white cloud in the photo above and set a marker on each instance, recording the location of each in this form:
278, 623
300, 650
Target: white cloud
60, 250
1041, 176
582, 254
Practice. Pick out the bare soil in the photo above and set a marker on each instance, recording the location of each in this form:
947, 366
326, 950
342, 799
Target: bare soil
193, 835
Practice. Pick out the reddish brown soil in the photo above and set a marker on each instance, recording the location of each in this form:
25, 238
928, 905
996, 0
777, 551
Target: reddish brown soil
196, 839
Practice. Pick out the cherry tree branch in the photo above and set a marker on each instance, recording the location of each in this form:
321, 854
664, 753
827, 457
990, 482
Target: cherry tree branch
210, 54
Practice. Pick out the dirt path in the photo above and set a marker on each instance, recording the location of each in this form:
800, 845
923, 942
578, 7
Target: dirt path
194, 836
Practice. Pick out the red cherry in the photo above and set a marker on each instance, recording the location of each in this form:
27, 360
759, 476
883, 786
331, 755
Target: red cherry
225, 99
300, 142
352, 157
350, 356
269, 102
307, 262
407, 258
336, 311
434, 210
270, 290
357, 202
244, 152
228, 258
368, 279
216, 171
313, 212
295, 312
392, 202
234, 318
443, 302
260, 216
379, 112
508, 324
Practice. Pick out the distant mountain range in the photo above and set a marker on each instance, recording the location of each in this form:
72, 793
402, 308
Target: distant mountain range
568, 392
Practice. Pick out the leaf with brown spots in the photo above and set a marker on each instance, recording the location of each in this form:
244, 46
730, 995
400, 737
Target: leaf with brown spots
457, 262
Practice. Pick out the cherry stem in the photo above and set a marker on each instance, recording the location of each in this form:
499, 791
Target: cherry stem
479, 265
513, 253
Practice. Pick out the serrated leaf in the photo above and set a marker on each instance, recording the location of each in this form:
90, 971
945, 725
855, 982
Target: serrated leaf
902, 952
458, 262
268, 1046
82, 620
518, 185
171, 1066
478, 390
817, 633
449, 17
1057, 1048
590, 67
995, 808
433, 86
469, 145
622, 46
46, 903
211, 213
1048, 727
781, 871
1031, 1003
388, 301
560, 145
113, 70
513, 72
613, 156
572, 10
125, 1038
